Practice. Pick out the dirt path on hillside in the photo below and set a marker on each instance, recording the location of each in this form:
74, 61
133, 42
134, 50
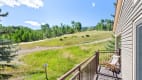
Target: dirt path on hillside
38, 48
23, 52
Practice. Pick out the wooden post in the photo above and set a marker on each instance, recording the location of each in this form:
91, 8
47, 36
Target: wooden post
45, 67
97, 61
79, 72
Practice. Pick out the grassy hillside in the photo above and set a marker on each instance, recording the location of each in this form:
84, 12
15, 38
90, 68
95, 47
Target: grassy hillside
71, 39
59, 60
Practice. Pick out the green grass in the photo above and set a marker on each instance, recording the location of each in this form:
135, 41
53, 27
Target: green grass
59, 61
70, 39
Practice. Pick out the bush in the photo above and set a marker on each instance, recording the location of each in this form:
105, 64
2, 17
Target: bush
61, 39
87, 35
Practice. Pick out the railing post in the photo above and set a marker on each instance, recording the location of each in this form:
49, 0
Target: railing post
79, 73
119, 53
89, 66
97, 61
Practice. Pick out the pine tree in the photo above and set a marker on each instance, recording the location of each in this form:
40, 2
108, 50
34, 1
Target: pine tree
3, 14
111, 45
7, 48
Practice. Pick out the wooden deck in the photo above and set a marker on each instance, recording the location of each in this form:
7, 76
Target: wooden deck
106, 74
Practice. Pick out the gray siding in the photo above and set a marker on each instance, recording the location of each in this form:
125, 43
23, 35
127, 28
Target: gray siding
129, 12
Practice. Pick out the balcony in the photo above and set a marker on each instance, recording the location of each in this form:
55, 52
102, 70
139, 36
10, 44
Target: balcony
94, 68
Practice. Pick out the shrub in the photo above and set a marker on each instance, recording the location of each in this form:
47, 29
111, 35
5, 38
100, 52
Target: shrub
61, 39
87, 35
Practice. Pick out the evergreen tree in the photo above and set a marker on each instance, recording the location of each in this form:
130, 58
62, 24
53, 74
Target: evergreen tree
7, 49
3, 14
105, 25
46, 30
111, 44
76, 26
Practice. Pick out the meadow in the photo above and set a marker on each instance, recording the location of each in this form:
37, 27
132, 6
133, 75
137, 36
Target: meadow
59, 60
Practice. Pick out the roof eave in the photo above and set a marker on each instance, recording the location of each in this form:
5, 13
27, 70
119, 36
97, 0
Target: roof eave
117, 13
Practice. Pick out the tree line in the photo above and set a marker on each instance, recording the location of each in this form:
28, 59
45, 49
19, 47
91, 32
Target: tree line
25, 34
58, 30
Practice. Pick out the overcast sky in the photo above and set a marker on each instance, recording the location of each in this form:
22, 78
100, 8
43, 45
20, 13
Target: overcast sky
33, 13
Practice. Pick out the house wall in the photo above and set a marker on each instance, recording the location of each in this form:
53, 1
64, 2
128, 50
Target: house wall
130, 12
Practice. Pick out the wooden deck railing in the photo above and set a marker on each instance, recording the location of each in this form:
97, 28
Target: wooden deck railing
105, 56
84, 71
88, 69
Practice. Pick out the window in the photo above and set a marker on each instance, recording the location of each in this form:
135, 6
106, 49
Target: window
139, 51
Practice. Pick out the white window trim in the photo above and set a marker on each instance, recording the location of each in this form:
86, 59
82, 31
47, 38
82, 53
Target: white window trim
135, 25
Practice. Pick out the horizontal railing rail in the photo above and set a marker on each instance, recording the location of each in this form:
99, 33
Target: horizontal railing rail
106, 55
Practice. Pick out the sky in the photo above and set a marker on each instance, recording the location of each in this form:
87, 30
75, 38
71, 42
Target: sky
33, 13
